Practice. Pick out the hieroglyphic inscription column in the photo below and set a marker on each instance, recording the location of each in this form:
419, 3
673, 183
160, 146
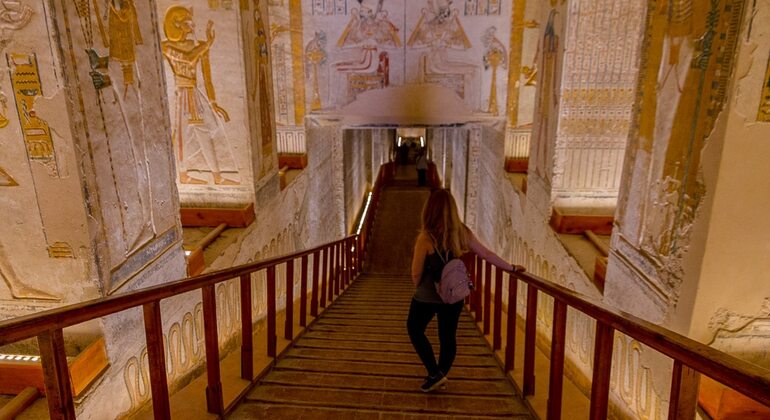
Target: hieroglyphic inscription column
597, 95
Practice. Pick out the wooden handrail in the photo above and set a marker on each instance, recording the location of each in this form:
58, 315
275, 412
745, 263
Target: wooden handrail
343, 259
745, 377
28, 326
691, 357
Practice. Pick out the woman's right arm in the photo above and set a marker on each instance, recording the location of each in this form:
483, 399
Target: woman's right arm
482, 251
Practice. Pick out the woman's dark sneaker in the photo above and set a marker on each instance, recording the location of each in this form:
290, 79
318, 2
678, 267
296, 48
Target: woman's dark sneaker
433, 382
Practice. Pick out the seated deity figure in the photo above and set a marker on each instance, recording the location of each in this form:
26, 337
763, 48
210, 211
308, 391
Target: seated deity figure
197, 118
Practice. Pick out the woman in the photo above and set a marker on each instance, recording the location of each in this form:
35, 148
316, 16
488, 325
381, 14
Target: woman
442, 232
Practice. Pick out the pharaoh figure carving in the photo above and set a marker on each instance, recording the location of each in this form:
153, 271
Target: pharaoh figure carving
685, 74
439, 29
368, 31
197, 120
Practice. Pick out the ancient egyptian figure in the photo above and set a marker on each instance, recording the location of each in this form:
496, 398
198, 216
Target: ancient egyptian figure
196, 116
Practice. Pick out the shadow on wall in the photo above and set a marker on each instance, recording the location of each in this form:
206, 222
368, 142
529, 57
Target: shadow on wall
415, 105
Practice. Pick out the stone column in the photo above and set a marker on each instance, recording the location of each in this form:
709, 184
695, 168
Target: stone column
586, 82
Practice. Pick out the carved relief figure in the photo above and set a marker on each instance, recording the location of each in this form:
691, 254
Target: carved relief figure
261, 44
547, 98
19, 289
369, 30
495, 56
315, 55
763, 114
7, 180
121, 121
689, 63
197, 118
123, 36
439, 29
14, 15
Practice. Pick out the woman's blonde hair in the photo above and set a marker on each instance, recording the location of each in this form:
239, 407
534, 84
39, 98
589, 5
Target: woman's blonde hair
441, 221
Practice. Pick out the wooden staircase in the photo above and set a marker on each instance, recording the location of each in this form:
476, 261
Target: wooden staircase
356, 361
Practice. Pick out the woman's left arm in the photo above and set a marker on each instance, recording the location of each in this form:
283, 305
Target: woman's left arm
421, 248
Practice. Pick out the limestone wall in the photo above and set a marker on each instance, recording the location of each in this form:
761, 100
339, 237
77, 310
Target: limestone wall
357, 144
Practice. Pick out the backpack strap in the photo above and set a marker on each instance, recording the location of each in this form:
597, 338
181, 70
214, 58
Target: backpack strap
444, 260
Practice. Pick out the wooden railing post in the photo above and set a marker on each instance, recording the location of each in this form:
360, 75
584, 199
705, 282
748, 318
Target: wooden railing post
314, 292
303, 293
530, 335
153, 331
332, 273
271, 336
56, 374
324, 274
478, 312
498, 330
346, 256
558, 341
600, 385
684, 392
214, 402
288, 329
510, 334
340, 269
468, 261
487, 296
247, 331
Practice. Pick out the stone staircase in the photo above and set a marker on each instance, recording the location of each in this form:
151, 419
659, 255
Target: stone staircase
357, 362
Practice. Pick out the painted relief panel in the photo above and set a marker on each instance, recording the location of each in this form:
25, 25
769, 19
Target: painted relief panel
687, 64
44, 235
204, 67
547, 97
351, 47
111, 57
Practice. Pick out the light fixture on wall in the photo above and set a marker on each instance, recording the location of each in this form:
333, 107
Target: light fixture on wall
399, 141
422, 141
18, 358
366, 209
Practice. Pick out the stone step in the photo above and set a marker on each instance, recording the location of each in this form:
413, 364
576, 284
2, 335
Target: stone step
385, 369
310, 342
402, 402
381, 356
259, 410
387, 383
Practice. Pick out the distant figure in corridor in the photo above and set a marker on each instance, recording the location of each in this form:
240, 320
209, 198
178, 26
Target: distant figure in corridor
422, 167
442, 232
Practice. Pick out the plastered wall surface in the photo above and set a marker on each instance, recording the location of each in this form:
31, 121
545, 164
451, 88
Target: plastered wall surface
734, 176
39, 161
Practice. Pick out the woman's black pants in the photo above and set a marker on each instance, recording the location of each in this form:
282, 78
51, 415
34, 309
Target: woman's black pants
420, 314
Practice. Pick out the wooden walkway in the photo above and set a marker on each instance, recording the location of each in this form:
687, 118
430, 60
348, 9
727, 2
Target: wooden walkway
356, 362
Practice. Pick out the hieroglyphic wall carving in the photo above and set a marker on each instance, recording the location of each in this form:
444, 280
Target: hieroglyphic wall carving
597, 95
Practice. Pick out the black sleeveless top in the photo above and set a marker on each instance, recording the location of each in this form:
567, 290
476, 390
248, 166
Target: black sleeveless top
431, 274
